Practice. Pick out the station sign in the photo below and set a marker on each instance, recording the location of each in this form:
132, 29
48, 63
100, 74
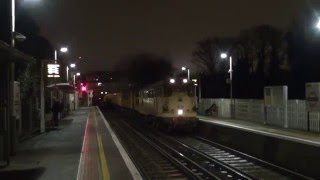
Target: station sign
312, 97
53, 70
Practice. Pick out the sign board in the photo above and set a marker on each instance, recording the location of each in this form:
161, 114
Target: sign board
276, 98
53, 70
275, 95
312, 97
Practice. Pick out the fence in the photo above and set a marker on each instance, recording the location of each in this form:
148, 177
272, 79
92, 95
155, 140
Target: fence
254, 110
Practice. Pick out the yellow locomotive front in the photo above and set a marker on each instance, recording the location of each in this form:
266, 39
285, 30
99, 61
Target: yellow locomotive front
170, 103
179, 104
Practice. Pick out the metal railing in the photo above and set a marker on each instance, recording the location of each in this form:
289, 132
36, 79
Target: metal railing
254, 110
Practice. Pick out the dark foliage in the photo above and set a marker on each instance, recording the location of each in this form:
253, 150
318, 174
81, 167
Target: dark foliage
263, 56
144, 69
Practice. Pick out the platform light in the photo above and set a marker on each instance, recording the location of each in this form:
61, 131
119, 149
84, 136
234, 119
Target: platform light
223, 55
105, 92
183, 68
78, 74
196, 84
180, 112
64, 49
185, 81
101, 93
99, 84
194, 80
172, 81
318, 24
73, 65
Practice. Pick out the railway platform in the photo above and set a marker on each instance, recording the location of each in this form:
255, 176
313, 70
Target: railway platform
297, 136
82, 147
291, 149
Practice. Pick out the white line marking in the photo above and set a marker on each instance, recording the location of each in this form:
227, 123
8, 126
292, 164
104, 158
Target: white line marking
279, 136
132, 168
81, 162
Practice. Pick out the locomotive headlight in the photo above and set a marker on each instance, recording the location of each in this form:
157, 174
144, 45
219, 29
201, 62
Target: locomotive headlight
180, 112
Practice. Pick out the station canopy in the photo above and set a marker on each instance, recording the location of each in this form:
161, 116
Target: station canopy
66, 87
10, 54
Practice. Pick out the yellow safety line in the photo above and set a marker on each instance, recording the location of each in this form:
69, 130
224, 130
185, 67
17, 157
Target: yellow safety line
103, 161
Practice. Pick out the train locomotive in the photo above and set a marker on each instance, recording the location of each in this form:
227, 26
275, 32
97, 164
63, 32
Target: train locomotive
170, 104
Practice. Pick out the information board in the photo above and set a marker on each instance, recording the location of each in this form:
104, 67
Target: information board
312, 97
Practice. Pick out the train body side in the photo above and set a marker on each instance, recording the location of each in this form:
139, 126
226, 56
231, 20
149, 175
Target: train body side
175, 108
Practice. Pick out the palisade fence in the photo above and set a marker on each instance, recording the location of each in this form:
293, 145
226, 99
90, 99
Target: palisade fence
254, 110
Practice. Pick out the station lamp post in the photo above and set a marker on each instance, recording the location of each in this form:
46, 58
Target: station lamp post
62, 50
11, 75
72, 66
186, 69
74, 74
225, 56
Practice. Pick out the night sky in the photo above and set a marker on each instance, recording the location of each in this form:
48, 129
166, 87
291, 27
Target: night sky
104, 31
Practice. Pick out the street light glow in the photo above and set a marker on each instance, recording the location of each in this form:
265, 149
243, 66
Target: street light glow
78, 74
185, 81
318, 24
223, 55
172, 81
64, 49
183, 68
72, 65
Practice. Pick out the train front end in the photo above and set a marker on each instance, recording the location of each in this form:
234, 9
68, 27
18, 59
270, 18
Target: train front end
180, 106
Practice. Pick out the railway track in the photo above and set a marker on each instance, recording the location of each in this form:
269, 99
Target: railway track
147, 151
253, 167
159, 156
152, 161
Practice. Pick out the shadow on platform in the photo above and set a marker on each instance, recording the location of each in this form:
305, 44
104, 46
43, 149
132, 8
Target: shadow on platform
25, 174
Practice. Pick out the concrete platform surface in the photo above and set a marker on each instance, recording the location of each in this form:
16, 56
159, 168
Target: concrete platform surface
82, 147
52, 155
298, 136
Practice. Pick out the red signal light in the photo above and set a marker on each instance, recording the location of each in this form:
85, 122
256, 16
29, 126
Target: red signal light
83, 88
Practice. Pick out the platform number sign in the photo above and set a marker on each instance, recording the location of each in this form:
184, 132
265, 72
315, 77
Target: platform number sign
53, 70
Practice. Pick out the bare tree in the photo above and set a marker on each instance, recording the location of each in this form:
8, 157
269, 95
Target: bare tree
207, 54
264, 48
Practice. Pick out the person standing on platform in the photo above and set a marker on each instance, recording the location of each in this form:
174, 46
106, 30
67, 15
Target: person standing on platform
55, 112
